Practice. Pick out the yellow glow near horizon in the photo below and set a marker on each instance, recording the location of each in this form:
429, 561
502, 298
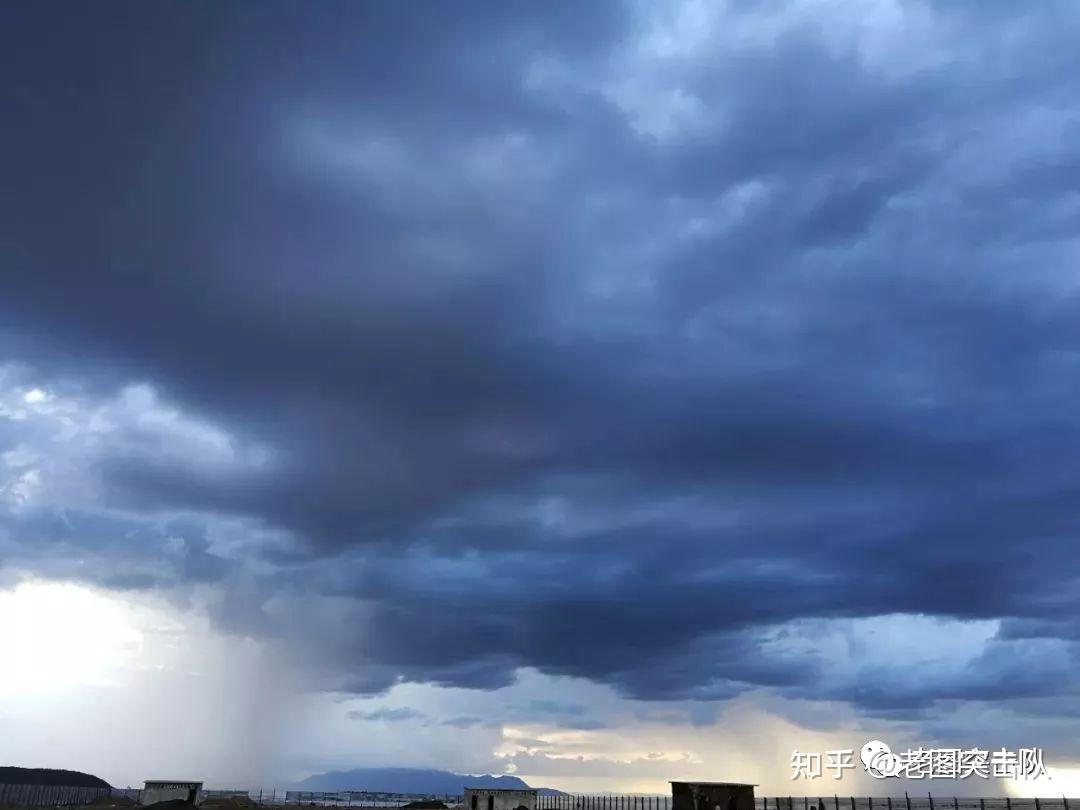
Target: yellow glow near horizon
58, 635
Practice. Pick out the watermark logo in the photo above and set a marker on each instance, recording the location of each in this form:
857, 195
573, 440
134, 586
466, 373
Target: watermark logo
880, 762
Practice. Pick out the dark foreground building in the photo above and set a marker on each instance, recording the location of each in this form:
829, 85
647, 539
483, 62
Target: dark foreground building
712, 796
500, 799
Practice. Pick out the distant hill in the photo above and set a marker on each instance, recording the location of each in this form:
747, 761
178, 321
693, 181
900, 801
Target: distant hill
48, 776
409, 780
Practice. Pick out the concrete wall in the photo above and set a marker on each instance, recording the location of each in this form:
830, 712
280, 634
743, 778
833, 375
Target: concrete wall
159, 791
491, 799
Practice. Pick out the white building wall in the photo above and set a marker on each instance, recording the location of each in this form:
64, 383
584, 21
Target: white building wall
154, 792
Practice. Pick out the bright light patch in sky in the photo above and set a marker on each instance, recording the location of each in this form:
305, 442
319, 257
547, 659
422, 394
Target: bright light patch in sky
56, 636
1055, 783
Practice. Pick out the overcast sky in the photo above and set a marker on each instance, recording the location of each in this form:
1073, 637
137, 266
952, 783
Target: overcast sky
603, 393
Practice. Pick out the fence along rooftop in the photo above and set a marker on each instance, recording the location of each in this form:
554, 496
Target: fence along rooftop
718, 784
166, 783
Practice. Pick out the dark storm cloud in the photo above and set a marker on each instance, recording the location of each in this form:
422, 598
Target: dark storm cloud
389, 715
549, 375
463, 722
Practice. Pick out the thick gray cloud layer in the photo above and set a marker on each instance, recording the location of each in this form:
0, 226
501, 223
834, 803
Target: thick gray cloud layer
610, 341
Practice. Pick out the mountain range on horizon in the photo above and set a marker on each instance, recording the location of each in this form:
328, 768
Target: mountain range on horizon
411, 780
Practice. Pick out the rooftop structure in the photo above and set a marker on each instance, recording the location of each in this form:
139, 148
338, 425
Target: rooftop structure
164, 790
712, 796
499, 799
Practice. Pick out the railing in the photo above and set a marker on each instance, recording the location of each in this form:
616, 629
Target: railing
54, 795
351, 798
45, 795
36, 795
308, 798
908, 802
613, 801
604, 801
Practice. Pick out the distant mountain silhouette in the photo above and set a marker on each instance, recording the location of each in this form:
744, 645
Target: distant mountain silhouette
10, 775
409, 780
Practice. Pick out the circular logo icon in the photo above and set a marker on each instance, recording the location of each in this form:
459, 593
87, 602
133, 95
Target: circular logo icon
879, 760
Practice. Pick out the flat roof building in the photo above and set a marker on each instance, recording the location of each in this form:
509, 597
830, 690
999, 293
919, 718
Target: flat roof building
167, 790
712, 796
499, 799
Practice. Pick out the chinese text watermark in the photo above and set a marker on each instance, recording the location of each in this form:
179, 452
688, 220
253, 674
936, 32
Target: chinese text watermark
880, 762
